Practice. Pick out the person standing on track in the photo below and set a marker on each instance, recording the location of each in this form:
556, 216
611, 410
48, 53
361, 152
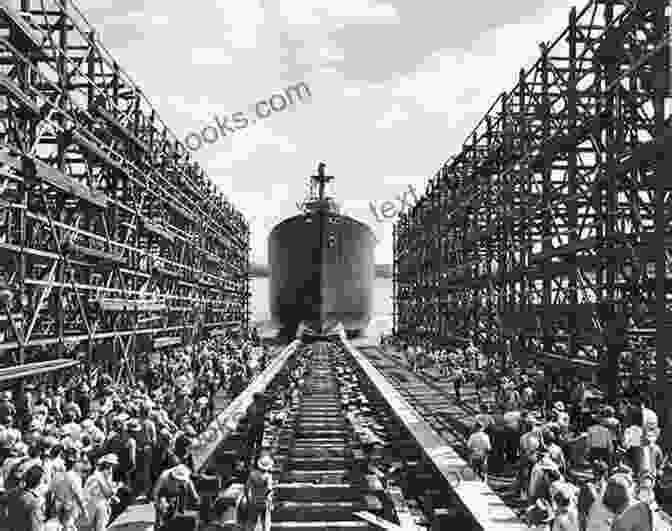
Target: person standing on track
259, 493
479, 446
257, 417
458, 380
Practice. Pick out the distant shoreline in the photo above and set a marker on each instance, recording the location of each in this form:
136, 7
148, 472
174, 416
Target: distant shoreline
261, 271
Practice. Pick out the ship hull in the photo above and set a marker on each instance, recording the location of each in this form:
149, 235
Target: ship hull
322, 272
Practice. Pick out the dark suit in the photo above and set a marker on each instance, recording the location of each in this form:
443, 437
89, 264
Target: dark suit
25, 511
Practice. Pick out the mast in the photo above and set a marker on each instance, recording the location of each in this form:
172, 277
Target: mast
319, 202
321, 179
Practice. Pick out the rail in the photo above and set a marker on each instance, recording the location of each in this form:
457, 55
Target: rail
226, 422
484, 505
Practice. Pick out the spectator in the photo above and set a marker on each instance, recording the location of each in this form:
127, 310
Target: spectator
259, 492
479, 447
629, 515
566, 517
633, 436
172, 492
651, 460
458, 380
593, 514
600, 442
25, 505
99, 490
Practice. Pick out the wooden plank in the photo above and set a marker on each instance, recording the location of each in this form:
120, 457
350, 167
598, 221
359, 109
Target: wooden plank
119, 305
56, 178
99, 254
157, 229
162, 342
33, 369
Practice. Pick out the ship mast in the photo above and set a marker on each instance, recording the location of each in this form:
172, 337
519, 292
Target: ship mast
319, 202
321, 179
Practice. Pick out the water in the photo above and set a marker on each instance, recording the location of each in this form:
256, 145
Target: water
381, 321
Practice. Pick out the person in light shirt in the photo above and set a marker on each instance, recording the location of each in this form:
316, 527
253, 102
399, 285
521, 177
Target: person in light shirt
479, 446
649, 417
99, 490
633, 437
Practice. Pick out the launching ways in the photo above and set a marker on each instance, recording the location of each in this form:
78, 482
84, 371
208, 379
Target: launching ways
463, 499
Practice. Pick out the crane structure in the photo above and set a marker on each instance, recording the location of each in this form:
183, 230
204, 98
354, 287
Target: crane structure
547, 238
113, 241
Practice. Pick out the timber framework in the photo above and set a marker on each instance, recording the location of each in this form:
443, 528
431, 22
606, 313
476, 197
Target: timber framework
111, 244
547, 238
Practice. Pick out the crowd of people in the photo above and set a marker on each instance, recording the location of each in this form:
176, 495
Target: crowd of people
76, 449
545, 444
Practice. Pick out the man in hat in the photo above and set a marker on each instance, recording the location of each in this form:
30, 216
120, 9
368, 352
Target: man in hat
171, 493
259, 492
99, 491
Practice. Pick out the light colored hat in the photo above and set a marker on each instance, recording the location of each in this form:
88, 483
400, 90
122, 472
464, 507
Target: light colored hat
652, 434
110, 459
266, 463
181, 473
133, 425
20, 449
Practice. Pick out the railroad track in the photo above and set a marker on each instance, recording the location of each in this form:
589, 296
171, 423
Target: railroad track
322, 471
437, 405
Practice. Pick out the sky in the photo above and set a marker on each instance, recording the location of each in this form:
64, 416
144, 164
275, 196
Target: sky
396, 87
